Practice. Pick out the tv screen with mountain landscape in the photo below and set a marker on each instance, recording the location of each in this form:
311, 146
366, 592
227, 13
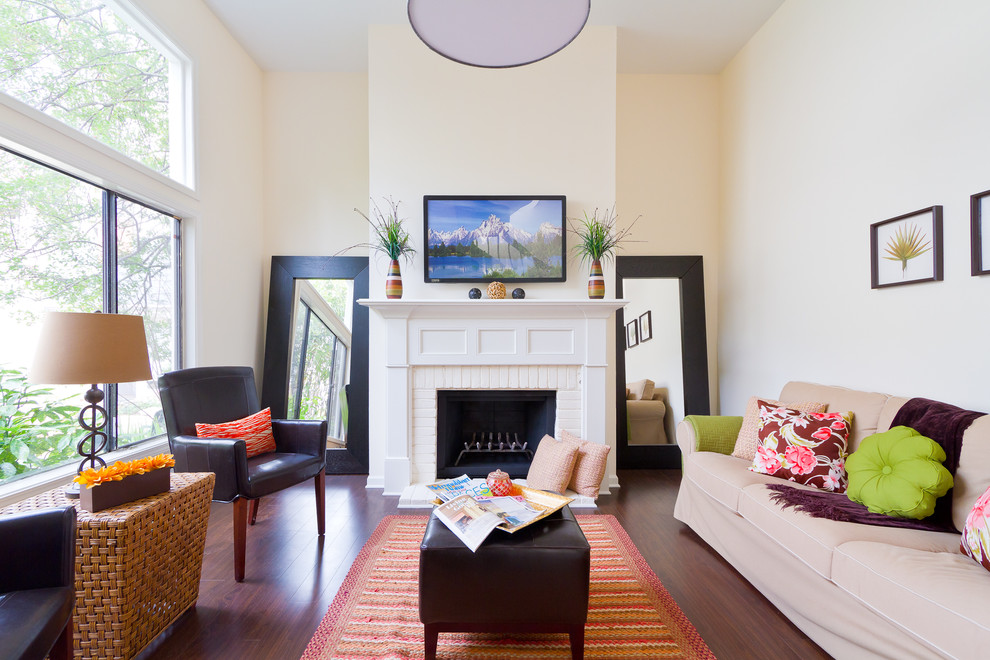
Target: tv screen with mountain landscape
504, 238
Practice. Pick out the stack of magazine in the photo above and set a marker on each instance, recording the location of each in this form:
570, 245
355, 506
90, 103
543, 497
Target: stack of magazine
468, 508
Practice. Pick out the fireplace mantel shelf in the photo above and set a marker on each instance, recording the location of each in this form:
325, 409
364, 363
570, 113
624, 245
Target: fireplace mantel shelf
487, 308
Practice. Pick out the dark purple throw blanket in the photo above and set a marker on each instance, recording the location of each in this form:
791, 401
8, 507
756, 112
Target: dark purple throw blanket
943, 423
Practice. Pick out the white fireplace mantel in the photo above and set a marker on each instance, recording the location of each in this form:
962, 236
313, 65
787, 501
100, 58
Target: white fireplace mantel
535, 333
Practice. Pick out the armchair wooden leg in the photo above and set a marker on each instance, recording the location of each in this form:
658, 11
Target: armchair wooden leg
253, 513
240, 536
63, 645
321, 501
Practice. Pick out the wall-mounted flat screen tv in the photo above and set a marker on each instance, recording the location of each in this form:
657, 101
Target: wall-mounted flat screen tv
504, 238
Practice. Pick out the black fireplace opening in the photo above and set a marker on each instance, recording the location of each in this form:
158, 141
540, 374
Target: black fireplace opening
479, 431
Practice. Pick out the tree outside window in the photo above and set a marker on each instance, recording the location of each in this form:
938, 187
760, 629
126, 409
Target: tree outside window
83, 64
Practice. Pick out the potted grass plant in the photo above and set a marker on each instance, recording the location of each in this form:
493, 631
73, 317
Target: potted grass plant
598, 237
391, 239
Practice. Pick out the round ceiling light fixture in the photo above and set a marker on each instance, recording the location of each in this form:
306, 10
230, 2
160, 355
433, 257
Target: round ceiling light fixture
498, 33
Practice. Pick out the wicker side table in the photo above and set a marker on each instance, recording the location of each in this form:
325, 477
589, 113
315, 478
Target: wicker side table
137, 565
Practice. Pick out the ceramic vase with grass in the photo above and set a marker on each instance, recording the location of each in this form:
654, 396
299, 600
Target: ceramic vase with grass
598, 238
391, 240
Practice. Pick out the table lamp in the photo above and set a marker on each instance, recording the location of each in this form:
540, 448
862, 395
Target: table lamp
94, 348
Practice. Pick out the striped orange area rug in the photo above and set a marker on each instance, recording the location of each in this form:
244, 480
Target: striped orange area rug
376, 611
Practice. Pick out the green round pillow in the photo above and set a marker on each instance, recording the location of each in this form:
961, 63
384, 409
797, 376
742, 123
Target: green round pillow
898, 473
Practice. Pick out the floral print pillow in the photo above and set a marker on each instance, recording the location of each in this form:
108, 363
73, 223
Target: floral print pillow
807, 448
976, 535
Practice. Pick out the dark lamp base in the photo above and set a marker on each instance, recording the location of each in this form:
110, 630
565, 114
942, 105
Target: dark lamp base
72, 491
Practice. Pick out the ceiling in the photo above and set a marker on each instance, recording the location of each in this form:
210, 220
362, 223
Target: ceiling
655, 36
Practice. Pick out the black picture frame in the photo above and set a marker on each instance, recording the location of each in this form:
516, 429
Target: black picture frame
632, 333
979, 235
444, 215
890, 242
646, 326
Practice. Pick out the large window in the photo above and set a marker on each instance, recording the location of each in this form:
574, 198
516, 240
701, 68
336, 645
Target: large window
67, 245
93, 65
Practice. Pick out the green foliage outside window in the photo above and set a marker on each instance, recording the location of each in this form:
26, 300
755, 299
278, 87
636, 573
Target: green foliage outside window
35, 431
79, 63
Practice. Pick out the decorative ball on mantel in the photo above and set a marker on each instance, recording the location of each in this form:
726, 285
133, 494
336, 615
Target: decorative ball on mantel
496, 291
474, 294
518, 293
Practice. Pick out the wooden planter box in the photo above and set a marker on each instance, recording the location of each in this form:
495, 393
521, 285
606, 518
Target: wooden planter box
128, 489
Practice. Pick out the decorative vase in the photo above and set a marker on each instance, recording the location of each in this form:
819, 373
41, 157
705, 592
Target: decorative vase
128, 489
596, 282
393, 281
496, 291
499, 483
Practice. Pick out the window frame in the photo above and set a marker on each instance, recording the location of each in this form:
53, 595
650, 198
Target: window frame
184, 177
109, 197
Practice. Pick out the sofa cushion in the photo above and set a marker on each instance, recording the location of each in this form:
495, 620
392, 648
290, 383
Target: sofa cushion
898, 473
975, 540
641, 390
721, 476
748, 438
589, 465
972, 477
552, 465
255, 430
942, 597
806, 448
865, 406
812, 540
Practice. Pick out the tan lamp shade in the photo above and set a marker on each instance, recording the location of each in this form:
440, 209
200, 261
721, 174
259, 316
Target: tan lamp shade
80, 348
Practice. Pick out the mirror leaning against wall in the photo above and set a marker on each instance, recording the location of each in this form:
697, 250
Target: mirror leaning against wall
662, 351
316, 352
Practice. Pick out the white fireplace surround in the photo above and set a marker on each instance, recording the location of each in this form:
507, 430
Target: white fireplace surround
556, 345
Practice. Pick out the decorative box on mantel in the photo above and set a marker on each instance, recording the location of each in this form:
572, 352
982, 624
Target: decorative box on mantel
484, 344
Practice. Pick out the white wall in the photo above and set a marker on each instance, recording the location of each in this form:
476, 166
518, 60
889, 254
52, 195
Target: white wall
438, 127
667, 172
316, 163
837, 115
223, 240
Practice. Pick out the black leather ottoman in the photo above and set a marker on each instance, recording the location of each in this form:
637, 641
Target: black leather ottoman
535, 580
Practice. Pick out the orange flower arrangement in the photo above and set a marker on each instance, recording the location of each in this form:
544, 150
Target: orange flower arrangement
120, 469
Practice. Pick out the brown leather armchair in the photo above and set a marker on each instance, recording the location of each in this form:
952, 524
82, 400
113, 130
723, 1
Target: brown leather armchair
37, 584
212, 395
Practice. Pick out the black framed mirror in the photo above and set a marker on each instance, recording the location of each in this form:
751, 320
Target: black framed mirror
637, 329
286, 270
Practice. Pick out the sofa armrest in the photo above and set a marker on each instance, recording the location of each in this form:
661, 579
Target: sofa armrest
708, 433
225, 457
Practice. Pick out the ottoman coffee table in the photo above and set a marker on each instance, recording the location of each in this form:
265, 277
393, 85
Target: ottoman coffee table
533, 581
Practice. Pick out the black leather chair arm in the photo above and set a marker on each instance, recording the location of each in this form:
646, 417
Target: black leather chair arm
300, 436
38, 549
226, 457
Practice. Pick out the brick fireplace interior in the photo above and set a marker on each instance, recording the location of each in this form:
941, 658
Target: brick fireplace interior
481, 430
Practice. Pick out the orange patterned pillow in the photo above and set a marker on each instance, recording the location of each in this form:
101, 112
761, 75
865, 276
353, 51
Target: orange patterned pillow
589, 468
552, 465
255, 430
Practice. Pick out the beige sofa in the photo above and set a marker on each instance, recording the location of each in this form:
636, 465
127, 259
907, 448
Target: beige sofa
647, 419
859, 591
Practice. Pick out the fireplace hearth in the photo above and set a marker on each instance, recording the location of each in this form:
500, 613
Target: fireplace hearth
479, 431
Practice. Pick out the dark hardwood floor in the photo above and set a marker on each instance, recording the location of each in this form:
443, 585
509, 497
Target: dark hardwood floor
292, 575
